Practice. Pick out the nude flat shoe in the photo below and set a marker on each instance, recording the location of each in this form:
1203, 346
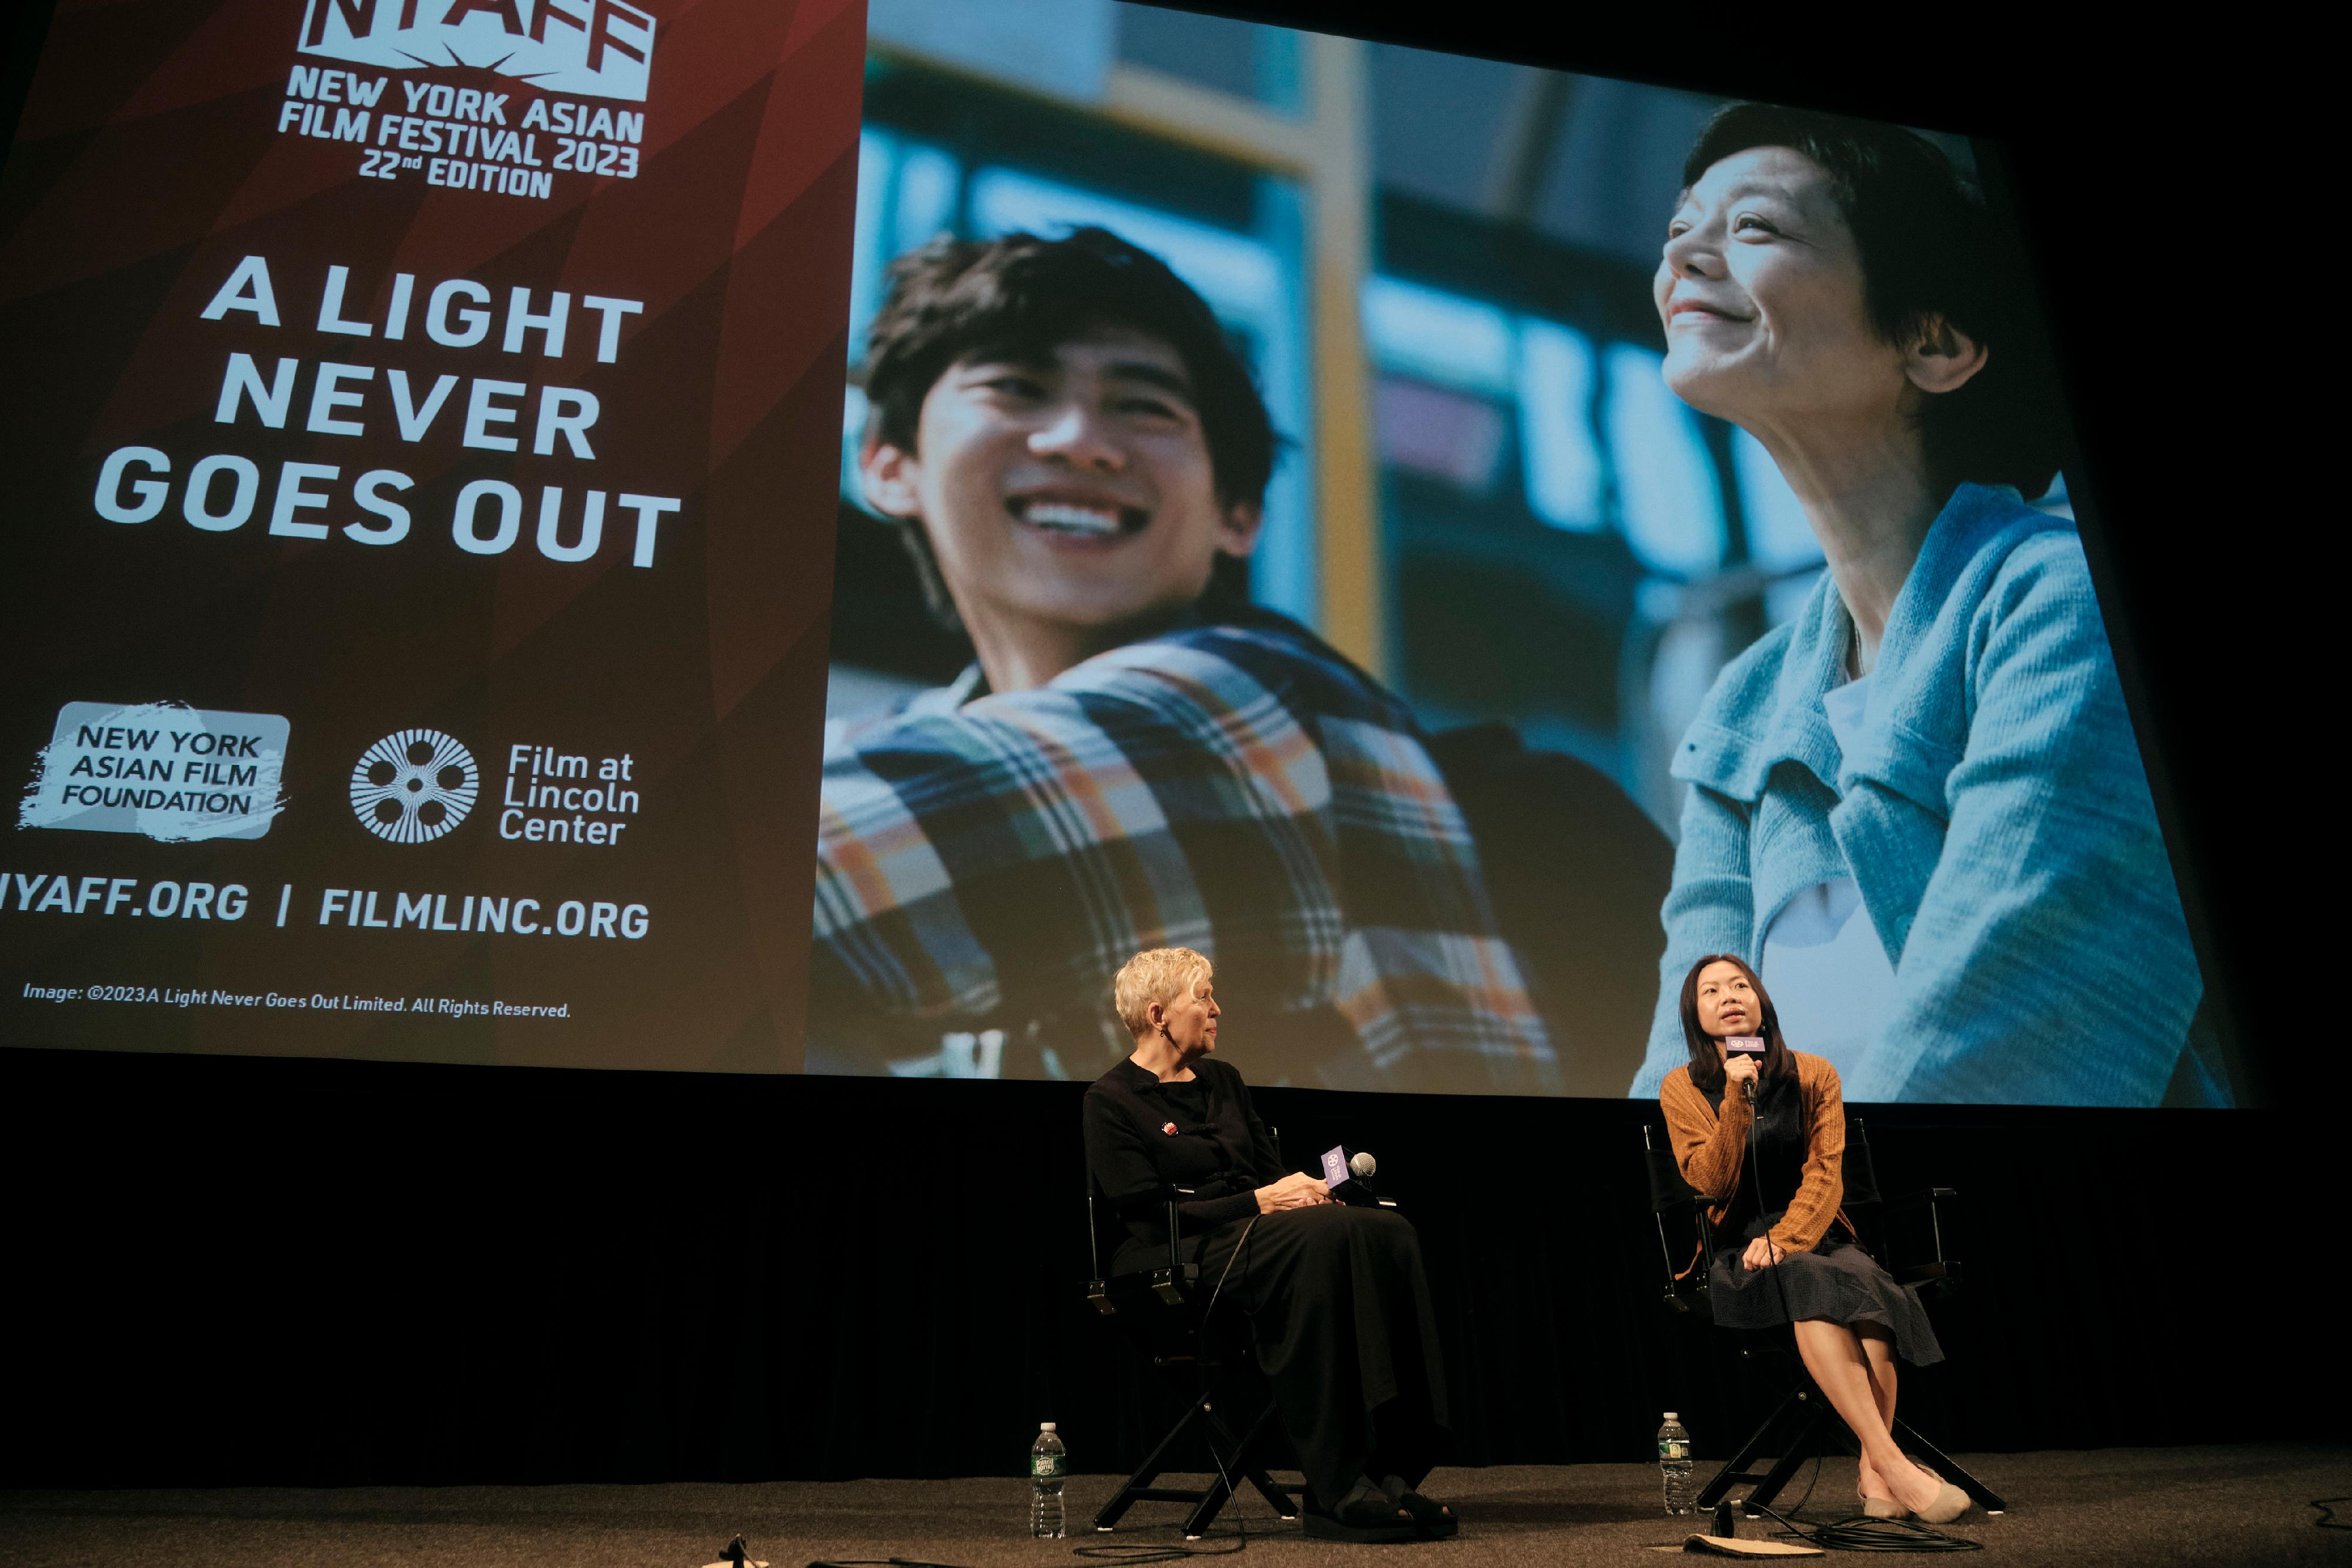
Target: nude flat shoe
1949, 1504
1884, 1508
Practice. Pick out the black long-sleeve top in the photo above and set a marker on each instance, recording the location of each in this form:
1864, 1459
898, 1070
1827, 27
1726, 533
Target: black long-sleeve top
1144, 1136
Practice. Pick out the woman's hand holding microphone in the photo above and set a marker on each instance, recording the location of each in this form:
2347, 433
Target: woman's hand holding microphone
1298, 1190
1739, 1075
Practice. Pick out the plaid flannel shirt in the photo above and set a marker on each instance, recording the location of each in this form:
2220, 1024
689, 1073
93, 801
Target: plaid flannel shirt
991, 861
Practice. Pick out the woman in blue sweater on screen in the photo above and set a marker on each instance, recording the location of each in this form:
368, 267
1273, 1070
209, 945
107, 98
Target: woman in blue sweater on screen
1918, 808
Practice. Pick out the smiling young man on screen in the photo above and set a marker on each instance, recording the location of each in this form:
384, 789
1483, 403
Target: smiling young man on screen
1137, 757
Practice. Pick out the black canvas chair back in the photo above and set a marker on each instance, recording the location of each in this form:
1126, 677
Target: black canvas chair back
1861, 1171
1683, 1233
1668, 1192
1905, 1233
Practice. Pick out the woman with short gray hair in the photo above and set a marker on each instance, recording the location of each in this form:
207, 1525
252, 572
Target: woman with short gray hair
1337, 1304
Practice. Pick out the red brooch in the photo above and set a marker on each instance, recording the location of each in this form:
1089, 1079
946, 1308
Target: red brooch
1169, 1129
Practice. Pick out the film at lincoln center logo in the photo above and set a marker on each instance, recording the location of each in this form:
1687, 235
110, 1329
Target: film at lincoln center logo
413, 786
590, 48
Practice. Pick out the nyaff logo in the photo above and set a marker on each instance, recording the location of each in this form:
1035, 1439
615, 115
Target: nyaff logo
596, 49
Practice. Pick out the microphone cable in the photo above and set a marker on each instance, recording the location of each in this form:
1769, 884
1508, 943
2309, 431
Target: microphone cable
1756, 1174
1859, 1532
1233, 1492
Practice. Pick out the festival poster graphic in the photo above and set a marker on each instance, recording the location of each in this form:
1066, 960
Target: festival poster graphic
421, 430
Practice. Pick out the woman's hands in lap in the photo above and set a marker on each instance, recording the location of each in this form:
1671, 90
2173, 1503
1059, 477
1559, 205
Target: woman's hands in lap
1762, 1253
1298, 1190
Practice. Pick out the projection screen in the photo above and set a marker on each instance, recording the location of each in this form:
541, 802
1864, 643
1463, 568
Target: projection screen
769, 537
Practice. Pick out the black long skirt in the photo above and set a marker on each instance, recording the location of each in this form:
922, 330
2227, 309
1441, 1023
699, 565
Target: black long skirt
1341, 1324
1837, 1280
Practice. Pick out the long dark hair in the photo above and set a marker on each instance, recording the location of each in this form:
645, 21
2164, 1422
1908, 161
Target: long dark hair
1706, 1061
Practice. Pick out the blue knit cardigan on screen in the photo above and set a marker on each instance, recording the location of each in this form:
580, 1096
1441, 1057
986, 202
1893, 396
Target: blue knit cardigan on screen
1994, 816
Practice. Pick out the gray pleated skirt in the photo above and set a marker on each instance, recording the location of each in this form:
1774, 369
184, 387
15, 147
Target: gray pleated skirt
1837, 1281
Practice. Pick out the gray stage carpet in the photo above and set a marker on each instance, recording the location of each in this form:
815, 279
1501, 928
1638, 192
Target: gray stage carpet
2120, 1506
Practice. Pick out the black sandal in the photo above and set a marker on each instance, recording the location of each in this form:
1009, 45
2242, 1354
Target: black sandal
1369, 1522
1432, 1519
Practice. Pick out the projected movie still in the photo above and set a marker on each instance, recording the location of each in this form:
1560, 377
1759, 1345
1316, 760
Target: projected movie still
1457, 544
778, 539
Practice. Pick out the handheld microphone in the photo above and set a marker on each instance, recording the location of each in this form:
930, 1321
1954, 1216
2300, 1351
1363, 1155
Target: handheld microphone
1347, 1175
1746, 1045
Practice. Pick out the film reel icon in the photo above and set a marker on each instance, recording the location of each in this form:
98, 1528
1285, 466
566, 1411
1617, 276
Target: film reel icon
413, 787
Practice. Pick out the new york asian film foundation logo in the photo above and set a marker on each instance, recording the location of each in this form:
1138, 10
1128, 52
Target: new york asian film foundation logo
482, 94
413, 786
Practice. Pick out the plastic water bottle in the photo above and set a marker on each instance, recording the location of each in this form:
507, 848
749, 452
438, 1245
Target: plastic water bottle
1048, 1463
1675, 1465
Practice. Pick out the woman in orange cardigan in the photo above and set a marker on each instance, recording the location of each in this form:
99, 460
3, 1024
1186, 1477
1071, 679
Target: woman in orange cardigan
1784, 1252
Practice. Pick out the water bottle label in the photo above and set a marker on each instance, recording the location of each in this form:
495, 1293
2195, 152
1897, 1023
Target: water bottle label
1047, 1466
1674, 1447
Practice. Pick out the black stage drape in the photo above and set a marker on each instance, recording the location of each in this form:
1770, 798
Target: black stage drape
230, 1270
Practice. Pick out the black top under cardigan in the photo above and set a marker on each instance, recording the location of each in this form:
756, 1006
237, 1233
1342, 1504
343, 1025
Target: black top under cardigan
1144, 1136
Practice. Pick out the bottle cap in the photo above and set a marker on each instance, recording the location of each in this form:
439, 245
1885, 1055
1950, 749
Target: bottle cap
1045, 1427
1672, 1417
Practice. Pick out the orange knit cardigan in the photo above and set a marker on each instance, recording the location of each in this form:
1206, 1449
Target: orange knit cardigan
1709, 1149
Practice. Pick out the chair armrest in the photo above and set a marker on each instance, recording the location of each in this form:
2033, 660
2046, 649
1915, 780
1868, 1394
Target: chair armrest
1941, 1270
1929, 1195
1684, 1289
1176, 1194
1098, 1292
1166, 1280
1168, 1283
